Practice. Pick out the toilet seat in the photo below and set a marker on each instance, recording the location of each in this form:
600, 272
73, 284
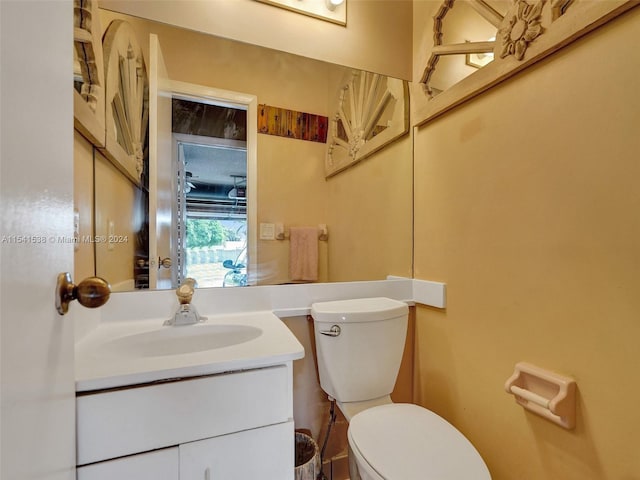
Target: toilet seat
408, 442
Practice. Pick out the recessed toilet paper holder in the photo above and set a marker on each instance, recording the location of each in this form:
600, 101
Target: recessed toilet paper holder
548, 394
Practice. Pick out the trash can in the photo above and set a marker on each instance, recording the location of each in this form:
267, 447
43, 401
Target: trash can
307, 457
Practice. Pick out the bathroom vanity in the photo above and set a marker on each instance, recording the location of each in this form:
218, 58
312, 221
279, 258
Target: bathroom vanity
207, 401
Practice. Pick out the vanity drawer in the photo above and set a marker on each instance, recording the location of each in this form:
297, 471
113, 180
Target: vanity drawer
159, 465
123, 422
261, 453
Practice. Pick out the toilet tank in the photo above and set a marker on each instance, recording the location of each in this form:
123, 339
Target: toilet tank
362, 362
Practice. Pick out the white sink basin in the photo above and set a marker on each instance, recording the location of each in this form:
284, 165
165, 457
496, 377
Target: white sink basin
117, 354
182, 339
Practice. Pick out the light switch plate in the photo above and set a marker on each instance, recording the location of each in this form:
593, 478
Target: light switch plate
267, 231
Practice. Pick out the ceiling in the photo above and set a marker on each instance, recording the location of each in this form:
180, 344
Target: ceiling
215, 165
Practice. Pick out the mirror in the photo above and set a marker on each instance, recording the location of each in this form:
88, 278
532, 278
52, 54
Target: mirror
367, 240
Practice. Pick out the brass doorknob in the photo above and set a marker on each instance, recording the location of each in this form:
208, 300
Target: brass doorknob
92, 292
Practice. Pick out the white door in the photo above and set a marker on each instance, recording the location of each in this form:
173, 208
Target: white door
37, 420
161, 172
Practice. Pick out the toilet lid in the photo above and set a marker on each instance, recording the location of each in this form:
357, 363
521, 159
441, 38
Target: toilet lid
408, 442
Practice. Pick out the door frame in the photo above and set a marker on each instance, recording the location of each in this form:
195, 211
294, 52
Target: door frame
248, 102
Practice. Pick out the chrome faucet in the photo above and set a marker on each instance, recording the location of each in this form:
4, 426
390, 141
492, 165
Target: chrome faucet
187, 313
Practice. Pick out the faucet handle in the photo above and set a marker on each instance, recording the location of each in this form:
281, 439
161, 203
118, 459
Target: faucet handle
186, 290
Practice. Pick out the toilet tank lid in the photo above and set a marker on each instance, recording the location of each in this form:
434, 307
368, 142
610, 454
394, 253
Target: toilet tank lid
358, 310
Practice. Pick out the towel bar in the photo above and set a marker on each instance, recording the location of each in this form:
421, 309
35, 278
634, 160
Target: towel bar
281, 234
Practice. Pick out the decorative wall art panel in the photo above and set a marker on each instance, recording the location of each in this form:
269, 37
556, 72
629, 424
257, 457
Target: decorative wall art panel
127, 100
89, 91
111, 90
291, 124
371, 111
524, 33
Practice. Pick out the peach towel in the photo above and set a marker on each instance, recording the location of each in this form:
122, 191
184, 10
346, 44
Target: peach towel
303, 254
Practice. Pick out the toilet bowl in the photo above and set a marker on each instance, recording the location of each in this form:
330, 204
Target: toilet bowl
408, 442
359, 345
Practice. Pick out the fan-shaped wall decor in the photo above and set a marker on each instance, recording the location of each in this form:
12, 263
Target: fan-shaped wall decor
371, 111
88, 100
529, 31
127, 100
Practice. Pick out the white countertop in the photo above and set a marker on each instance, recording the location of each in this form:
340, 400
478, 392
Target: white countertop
105, 358
108, 356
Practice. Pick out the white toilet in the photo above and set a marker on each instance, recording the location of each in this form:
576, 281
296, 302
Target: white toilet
359, 345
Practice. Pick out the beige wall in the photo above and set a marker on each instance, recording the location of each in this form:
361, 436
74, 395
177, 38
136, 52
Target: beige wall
292, 191
117, 201
526, 204
370, 214
376, 37
276, 78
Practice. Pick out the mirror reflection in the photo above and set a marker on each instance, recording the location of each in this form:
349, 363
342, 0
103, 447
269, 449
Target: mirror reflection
216, 228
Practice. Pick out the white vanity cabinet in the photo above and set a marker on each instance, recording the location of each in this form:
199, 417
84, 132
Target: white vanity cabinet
227, 426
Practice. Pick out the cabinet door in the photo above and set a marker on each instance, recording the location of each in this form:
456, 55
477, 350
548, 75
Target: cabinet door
158, 465
266, 452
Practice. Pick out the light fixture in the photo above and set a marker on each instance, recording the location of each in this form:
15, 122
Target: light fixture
334, 11
480, 59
